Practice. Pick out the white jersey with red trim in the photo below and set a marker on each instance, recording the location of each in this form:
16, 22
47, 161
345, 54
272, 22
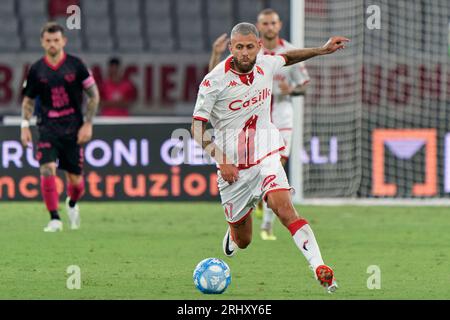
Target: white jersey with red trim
238, 107
295, 74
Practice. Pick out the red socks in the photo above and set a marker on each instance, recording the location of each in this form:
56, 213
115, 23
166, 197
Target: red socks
49, 192
75, 191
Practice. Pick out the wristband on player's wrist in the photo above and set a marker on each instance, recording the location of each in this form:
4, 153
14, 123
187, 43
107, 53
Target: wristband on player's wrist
25, 123
297, 93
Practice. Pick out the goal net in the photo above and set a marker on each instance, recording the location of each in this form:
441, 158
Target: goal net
376, 115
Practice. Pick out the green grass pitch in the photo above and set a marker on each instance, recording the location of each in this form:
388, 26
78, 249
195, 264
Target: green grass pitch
149, 250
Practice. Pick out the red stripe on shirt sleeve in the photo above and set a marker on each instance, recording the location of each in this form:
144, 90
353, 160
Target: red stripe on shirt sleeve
200, 118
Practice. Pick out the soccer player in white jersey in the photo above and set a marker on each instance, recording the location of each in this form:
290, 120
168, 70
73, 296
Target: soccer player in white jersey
235, 97
289, 81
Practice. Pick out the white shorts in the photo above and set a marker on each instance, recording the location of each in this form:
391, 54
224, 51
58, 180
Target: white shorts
254, 183
282, 117
286, 134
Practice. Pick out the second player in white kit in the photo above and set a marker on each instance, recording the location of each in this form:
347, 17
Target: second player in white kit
235, 97
282, 112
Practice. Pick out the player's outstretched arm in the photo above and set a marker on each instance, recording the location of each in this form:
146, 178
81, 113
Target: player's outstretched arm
27, 113
218, 48
85, 132
298, 55
229, 172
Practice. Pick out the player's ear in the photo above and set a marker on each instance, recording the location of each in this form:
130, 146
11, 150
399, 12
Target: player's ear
64, 41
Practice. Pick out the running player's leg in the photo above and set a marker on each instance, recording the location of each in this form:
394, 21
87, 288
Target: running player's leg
50, 195
281, 203
46, 155
238, 202
268, 215
239, 233
71, 160
75, 188
48, 188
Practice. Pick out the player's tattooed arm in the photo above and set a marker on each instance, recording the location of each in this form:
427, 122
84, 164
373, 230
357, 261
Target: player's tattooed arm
92, 104
27, 108
27, 113
85, 132
298, 55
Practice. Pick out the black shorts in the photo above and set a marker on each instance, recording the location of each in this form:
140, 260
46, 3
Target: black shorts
65, 150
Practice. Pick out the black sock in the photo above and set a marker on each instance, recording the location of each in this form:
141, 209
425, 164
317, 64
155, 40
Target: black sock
54, 215
72, 203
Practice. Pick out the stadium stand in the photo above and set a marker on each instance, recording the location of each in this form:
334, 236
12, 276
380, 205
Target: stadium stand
7, 8
158, 26
131, 25
190, 27
247, 10
9, 28
128, 25
219, 18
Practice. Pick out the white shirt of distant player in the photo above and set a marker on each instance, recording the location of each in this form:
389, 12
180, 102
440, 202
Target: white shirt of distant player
294, 75
238, 106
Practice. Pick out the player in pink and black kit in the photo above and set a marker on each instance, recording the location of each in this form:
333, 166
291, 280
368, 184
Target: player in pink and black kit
59, 80
235, 97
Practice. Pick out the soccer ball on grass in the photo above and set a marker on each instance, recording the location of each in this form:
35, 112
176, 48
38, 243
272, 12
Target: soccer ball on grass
212, 276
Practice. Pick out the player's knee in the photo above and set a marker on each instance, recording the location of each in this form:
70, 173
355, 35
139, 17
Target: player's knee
279, 207
74, 179
47, 170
